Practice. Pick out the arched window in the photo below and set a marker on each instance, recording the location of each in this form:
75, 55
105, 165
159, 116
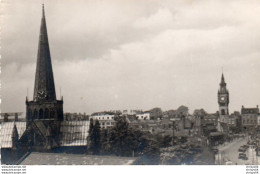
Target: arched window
47, 113
52, 113
41, 114
35, 114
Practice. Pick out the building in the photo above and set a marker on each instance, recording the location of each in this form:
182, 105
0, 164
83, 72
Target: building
131, 112
44, 110
235, 122
75, 116
143, 116
44, 128
106, 119
249, 118
223, 102
12, 116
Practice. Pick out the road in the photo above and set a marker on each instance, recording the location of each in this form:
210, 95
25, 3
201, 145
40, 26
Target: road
229, 152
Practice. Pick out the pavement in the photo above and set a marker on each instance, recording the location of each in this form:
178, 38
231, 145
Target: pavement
229, 153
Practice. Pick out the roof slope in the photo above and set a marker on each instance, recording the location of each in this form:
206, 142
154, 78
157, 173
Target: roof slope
36, 158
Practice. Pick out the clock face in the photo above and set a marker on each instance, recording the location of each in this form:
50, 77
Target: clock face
42, 94
222, 98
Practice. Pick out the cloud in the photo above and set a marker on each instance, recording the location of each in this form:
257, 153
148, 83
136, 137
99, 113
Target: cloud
136, 54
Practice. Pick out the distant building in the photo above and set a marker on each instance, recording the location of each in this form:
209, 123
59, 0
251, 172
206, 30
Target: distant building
235, 122
12, 116
249, 118
75, 116
223, 101
211, 119
143, 116
131, 112
106, 119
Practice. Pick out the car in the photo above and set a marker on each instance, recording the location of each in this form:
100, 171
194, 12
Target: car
245, 158
246, 146
242, 156
241, 149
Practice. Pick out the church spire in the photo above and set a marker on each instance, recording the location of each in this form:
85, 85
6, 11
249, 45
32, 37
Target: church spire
44, 88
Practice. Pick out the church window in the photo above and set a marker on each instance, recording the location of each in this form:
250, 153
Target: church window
41, 114
52, 113
47, 114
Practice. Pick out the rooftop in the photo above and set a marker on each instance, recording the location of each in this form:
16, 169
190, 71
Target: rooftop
250, 110
37, 158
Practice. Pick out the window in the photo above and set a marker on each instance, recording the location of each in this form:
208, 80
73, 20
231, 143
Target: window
108, 118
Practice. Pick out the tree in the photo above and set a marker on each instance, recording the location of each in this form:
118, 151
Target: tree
183, 110
105, 144
118, 136
156, 113
94, 143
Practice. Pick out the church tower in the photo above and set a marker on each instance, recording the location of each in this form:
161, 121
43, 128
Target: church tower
44, 113
223, 100
44, 104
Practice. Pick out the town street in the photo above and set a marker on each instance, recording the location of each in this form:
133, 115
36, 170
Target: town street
229, 152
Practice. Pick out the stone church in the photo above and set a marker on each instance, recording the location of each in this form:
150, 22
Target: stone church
44, 129
44, 113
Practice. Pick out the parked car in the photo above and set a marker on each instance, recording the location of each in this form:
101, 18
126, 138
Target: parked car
242, 149
242, 156
246, 146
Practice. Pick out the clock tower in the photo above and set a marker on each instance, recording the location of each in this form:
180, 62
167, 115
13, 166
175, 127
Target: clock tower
44, 113
223, 100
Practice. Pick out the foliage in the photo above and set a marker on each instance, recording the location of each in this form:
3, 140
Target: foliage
94, 138
122, 140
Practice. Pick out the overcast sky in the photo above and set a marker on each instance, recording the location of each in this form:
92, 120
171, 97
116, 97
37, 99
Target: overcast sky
134, 54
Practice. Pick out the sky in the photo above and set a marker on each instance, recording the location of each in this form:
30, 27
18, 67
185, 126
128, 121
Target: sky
134, 54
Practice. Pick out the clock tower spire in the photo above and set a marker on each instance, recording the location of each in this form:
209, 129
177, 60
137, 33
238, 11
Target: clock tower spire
44, 104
